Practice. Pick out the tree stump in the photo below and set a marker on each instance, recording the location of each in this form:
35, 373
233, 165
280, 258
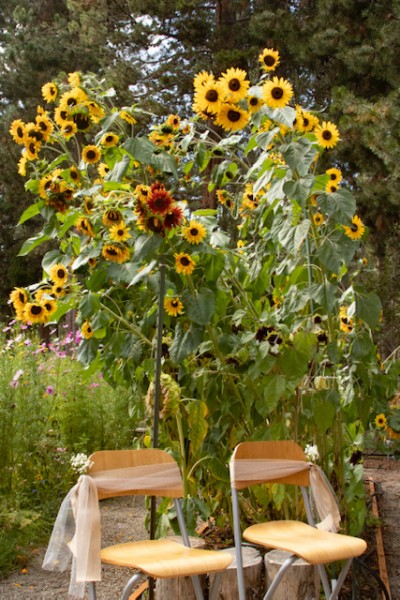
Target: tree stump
252, 569
179, 588
300, 582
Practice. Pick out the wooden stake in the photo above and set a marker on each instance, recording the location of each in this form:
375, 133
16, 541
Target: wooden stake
379, 539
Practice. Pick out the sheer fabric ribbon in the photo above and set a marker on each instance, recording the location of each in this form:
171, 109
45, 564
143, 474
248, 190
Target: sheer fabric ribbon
76, 533
249, 471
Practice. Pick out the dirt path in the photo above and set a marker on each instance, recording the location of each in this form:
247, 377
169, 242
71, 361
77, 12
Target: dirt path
122, 519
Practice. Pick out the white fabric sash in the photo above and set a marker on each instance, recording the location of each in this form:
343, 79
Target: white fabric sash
250, 471
76, 532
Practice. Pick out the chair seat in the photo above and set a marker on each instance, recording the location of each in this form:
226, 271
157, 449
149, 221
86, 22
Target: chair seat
313, 545
165, 558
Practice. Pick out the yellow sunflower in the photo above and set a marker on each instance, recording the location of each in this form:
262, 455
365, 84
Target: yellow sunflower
318, 219
74, 79
22, 165
277, 92
87, 330
306, 121
115, 253
234, 84
45, 126
335, 175
174, 121
327, 134
32, 149
58, 274
208, 98
331, 187
96, 112
58, 290
19, 297
126, 116
346, 322
201, 79
380, 421
194, 233
109, 140
73, 98
49, 305
269, 59
103, 169
83, 226
61, 116
356, 230
91, 154
34, 313
119, 232
68, 129
173, 306
254, 103
111, 217
50, 91
231, 117
184, 263
18, 131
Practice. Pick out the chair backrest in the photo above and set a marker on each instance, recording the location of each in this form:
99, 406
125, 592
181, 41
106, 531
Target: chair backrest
145, 472
259, 462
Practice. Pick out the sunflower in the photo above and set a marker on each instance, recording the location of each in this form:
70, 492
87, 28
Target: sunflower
42, 294
318, 219
173, 306
111, 217
18, 131
61, 116
19, 297
58, 290
331, 187
126, 116
194, 233
68, 129
269, 59
115, 253
87, 330
159, 200
74, 174
201, 79
173, 218
73, 98
119, 232
22, 165
327, 134
306, 121
335, 175
50, 91
103, 169
142, 192
232, 117
208, 97
346, 323
234, 84
254, 103
174, 121
49, 305
393, 435
34, 313
96, 112
356, 230
277, 92
109, 140
184, 263
58, 274
45, 126
32, 149
84, 226
91, 154
74, 79
380, 421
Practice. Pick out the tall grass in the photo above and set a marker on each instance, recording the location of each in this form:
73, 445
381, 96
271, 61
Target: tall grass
49, 411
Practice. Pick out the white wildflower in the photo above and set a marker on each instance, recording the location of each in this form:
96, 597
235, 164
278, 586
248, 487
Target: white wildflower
311, 451
80, 463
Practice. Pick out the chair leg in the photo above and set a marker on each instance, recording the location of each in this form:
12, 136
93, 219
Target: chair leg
213, 592
277, 579
128, 588
197, 587
340, 580
92, 590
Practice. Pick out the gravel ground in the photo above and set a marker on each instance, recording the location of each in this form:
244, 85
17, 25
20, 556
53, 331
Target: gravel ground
122, 519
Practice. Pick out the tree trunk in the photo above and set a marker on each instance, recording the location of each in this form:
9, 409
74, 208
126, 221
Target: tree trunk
301, 580
252, 569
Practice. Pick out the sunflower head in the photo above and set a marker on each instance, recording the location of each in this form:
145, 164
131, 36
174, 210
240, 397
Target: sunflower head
184, 263
194, 233
234, 84
269, 59
327, 134
277, 92
355, 231
173, 306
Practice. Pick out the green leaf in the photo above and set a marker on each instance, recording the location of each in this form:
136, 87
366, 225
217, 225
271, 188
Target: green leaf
52, 257
69, 222
141, 148
119, 170
87, 351
368, 306
274, 390
299, 155
185, 342
146, 245
31, 211
197, 422
33, 243
201, 306
300, 189
89, 305
324, 414
165, 163
340, 205
143, 272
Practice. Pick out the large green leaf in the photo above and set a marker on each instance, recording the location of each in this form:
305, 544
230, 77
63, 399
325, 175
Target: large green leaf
299, 155
89, 305
340, 205
31, 211
324, 413
200, 306
197, 422
185, 342
119, 170
33, 243
274, 390
141, 148
368, 306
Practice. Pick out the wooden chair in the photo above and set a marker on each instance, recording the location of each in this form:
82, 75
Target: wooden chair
284, 462
152, 472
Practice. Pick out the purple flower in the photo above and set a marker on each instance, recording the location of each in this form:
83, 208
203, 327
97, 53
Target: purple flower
49, 390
